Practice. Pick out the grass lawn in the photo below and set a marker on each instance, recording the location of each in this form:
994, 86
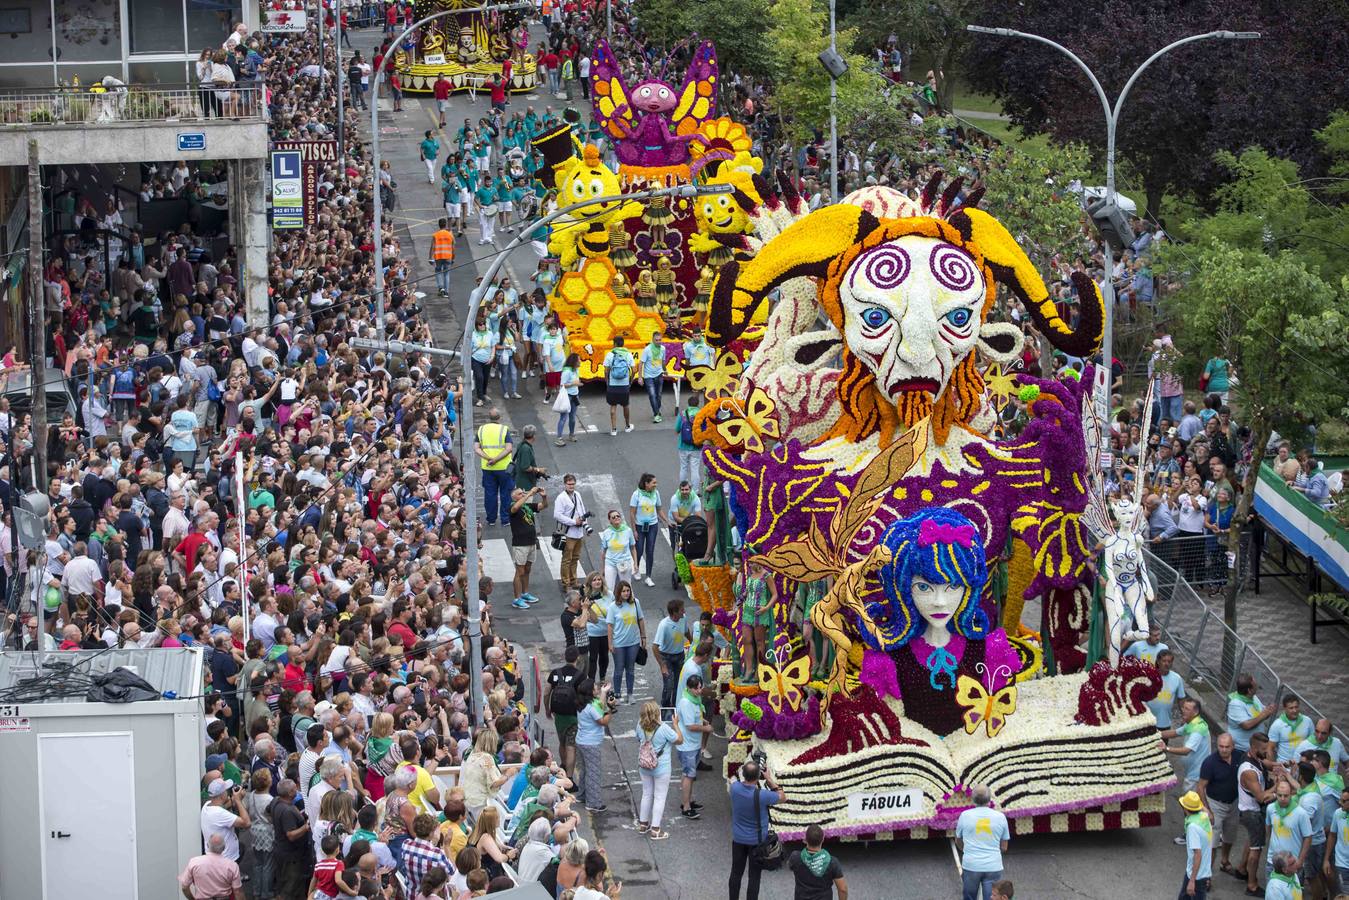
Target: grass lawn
1010, 134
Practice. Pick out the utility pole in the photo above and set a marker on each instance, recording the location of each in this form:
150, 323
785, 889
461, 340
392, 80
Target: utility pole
37, 320
341, 101
833, 112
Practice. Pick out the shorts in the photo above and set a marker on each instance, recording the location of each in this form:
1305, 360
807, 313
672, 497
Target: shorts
1254, 822
1311, 867
524, 556
507, 206
617, 394
454, 210
442, 105
688, 761
552, 379
1224, 820
566, 729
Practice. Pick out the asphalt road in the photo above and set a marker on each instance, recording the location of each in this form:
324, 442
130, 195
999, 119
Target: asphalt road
694, 862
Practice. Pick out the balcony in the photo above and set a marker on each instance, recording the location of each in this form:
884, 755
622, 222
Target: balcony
131, 123
131, 103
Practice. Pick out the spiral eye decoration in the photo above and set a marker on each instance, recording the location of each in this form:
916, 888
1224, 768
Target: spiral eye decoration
953, 268
885, 267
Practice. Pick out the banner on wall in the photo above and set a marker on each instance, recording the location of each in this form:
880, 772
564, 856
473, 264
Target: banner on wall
284, 20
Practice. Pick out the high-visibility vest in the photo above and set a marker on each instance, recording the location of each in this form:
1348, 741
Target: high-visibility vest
442, 246
492, 438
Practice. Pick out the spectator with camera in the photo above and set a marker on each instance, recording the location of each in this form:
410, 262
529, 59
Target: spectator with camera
223, 815
569, 511
753, 842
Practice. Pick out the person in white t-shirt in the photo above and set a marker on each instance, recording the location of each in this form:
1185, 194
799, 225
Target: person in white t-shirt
223, 814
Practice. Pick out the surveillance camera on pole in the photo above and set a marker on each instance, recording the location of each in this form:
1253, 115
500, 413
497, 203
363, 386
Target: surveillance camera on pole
31, 518
1111, 223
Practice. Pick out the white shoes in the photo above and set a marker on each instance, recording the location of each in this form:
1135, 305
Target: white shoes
613, 432
629, 428
649, 582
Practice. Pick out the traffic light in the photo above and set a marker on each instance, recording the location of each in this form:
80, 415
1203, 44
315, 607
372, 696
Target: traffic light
1111, 223
31, 519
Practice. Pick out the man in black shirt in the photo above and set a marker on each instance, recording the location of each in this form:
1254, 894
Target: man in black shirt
290, 850
560, 704
1218, 789
817, 873
524, 541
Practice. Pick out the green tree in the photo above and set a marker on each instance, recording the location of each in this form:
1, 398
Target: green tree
1029, 194
931, 32
797, 34
735, 26
1264, 311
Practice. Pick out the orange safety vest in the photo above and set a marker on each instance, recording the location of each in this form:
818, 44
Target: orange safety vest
442, 245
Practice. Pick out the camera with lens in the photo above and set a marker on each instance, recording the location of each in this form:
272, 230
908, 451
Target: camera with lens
585, 522
608, 698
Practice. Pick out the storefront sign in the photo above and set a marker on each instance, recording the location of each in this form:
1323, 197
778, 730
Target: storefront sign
282, 20
288, 196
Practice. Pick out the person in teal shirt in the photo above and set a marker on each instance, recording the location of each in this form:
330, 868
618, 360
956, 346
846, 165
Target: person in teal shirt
1287, 826
466, 188
430, 148
627, 632
1198, 847
653, 373
1290, 730
690, 454
454, 207
1218, 372
487, 210
1245, 713
504, 204
1173, 689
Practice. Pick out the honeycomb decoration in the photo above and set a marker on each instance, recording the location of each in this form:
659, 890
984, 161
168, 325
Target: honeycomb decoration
593, 315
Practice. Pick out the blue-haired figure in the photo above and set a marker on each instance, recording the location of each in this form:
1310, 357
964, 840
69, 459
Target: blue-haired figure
930, 628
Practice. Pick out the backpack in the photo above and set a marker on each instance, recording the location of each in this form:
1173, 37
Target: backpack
564, 697
686, 428
620, 367
647, 757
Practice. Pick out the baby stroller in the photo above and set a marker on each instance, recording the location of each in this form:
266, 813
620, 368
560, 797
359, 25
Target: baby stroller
690, 539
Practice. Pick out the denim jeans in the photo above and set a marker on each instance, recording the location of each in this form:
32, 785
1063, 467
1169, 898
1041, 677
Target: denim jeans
670, 680
567, 419
1201, 888
653, 391
974, 883
741, 856
625, 668
481, 372
510, 377
646, 546
1172, 407
496, 490
262, 875
443, 275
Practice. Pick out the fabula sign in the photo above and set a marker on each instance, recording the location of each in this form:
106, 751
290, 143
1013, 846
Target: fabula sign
883, 804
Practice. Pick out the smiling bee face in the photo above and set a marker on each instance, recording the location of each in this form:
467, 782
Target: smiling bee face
720, 214
586, 178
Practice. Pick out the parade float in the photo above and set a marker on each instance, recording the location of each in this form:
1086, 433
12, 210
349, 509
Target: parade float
638, 268
891, 530
470, 49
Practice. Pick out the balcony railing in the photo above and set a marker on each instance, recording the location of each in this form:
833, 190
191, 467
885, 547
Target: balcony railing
132, 103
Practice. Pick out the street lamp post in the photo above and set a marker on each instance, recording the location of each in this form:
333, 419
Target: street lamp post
833, 111
468, 458
1112, 116
374, 140
337, 57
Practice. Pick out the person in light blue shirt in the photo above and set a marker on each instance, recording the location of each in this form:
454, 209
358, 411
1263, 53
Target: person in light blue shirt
484, 342
1288, 829
1173, 689
1326, 741
618, 541
697, 351
1196, 744
1198, 847
981, 837
1147, 650
1245, 713
648, 517
1337, 838
1291, 730
689, 715
1283, 880
591, 721
655, 782
627, 632
182, 432
672, 639
653, 373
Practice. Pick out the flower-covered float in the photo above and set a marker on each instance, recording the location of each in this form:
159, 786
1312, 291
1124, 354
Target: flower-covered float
469, 48
890, 535
648, 266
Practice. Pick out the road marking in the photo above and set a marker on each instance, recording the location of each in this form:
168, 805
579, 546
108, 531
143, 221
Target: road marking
495, 557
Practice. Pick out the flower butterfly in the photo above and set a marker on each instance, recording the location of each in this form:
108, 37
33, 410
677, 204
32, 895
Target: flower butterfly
981, 707
719, 379
757, 419
785, 686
